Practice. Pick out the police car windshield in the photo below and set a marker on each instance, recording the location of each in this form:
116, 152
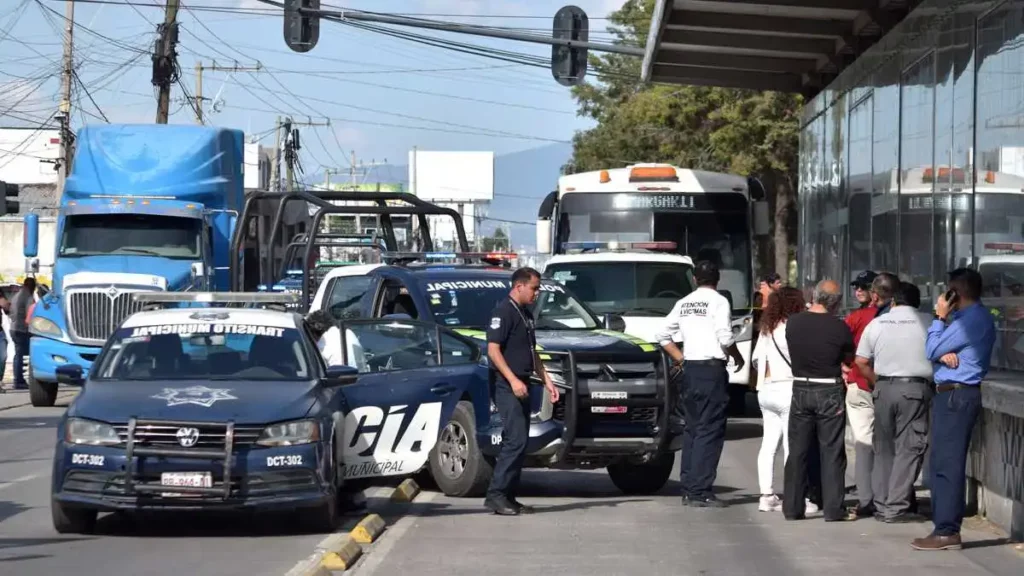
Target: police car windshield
469, 303
217, 351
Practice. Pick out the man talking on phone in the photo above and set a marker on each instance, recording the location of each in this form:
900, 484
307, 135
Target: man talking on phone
960, 341
512, 350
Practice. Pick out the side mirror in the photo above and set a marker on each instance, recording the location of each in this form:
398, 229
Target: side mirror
614, 322
728, 296
762, 219
340, 375
197, 271
30, 238
70, 374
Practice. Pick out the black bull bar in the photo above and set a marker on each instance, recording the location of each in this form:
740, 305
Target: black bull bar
664, 398
133, 486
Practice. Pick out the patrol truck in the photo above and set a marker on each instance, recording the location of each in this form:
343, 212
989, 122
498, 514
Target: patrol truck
212, 406
615, 405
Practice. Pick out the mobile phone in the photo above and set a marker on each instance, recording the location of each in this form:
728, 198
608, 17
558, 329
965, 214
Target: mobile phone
950, 296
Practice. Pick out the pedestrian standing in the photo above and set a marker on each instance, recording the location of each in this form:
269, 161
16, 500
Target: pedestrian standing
512, 350
891, 356
774, 388
819, 345
5, 306
859, 404
702, 323
19, 329
960, 341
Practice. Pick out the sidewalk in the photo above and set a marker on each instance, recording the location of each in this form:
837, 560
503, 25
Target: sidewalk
11, 398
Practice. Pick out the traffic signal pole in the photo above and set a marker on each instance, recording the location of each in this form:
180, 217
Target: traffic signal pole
569, 40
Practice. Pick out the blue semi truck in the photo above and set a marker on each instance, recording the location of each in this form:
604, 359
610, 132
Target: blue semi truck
144, 207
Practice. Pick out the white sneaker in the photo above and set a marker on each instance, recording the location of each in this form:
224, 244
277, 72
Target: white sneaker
810, 507
770, 504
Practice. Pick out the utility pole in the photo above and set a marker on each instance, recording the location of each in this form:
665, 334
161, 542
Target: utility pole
64, 117
165, 60
327, 176
215, 68
292, 146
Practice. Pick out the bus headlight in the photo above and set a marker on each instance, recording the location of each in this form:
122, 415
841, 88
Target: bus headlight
40, 326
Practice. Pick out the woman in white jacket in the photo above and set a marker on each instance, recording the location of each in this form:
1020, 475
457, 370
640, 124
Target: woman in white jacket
774, 388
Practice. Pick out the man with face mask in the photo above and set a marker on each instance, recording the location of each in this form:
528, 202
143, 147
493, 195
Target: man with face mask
512, 350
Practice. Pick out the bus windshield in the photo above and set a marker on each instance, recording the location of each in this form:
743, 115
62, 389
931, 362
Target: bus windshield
705, 226
625, 288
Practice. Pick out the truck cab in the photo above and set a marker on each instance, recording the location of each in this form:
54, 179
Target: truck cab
144, 208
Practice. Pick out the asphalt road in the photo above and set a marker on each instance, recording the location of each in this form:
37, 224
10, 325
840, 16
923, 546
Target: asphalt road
583, 526
162, 545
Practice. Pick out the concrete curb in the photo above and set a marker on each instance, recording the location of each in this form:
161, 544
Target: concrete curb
406, 491
367, 531
340, 552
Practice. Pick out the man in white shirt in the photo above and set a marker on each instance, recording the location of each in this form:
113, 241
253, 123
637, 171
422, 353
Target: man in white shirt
702, 321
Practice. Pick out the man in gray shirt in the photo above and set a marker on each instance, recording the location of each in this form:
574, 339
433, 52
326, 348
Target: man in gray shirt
19, 329
891, 355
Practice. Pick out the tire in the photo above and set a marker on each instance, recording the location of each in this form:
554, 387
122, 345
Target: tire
67, 520
642, 479
323, 519
42, 394
475, 474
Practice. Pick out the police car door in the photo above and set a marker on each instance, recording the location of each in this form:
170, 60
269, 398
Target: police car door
412, 374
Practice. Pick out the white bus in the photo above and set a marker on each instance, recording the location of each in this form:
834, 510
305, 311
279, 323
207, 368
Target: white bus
625, 239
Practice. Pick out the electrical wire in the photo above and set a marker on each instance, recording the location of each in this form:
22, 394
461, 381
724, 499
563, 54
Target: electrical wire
81, 85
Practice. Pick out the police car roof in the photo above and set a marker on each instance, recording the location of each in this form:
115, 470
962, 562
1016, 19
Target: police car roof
249, 316
452, 271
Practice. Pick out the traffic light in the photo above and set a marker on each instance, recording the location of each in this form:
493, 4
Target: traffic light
9, 191
569, 65
301, 29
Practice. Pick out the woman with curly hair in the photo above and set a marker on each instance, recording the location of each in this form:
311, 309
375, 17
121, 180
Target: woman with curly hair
774, 387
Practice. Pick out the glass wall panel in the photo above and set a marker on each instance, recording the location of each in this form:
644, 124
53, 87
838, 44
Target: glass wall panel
858, 184
999, 159
833, 221
917, 173
885, 157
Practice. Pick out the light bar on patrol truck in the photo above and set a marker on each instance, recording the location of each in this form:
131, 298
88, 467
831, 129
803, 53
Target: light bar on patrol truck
216, 297
449, 255
613, 245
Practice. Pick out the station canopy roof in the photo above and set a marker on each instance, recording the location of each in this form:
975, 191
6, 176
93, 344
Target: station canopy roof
779, 45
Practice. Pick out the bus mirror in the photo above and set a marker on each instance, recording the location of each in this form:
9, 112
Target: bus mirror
544, 236
762, 220
30, 236
756, 189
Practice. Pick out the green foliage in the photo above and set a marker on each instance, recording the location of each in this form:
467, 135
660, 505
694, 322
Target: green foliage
697, 127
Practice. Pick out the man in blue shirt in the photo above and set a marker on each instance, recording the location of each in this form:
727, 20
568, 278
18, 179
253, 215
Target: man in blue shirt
959, 344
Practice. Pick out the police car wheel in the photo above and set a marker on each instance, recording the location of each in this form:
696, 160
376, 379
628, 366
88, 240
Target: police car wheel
41, 394
322, 519
642, 478
68, 520
456, 463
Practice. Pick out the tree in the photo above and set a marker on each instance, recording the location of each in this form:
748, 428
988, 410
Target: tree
708, 128
495, 243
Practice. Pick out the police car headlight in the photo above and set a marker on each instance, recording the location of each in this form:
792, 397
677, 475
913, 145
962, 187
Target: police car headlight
39, 326
290, 433
81, 431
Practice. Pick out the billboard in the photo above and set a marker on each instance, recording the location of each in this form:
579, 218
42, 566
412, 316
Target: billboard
28, 155
451, 176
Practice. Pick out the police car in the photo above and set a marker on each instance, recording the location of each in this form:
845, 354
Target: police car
615, 404
232, 408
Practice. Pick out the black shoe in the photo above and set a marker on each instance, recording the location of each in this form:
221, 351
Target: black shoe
879, 516
864, 511
706, 502
501, 506
523, 508
846, 517
906, 518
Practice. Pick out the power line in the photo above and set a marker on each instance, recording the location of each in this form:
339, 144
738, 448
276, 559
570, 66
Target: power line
89, 95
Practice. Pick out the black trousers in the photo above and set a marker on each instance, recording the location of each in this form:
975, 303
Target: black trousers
704, 399
515, 423
817, 423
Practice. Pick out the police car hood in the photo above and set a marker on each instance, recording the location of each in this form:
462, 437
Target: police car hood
254, 402
603, 341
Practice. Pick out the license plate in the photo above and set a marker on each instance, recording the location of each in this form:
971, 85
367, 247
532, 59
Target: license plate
190, 479
608, 409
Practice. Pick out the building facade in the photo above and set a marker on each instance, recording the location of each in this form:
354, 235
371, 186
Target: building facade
912, 161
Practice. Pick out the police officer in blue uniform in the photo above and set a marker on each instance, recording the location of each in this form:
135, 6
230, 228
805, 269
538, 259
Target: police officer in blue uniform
511, 348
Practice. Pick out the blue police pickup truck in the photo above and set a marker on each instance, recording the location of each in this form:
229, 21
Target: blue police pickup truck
232, 408
616, 406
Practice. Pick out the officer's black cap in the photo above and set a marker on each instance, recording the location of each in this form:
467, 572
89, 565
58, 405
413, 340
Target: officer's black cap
864, 279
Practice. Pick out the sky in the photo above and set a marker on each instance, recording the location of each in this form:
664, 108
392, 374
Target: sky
381, 95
